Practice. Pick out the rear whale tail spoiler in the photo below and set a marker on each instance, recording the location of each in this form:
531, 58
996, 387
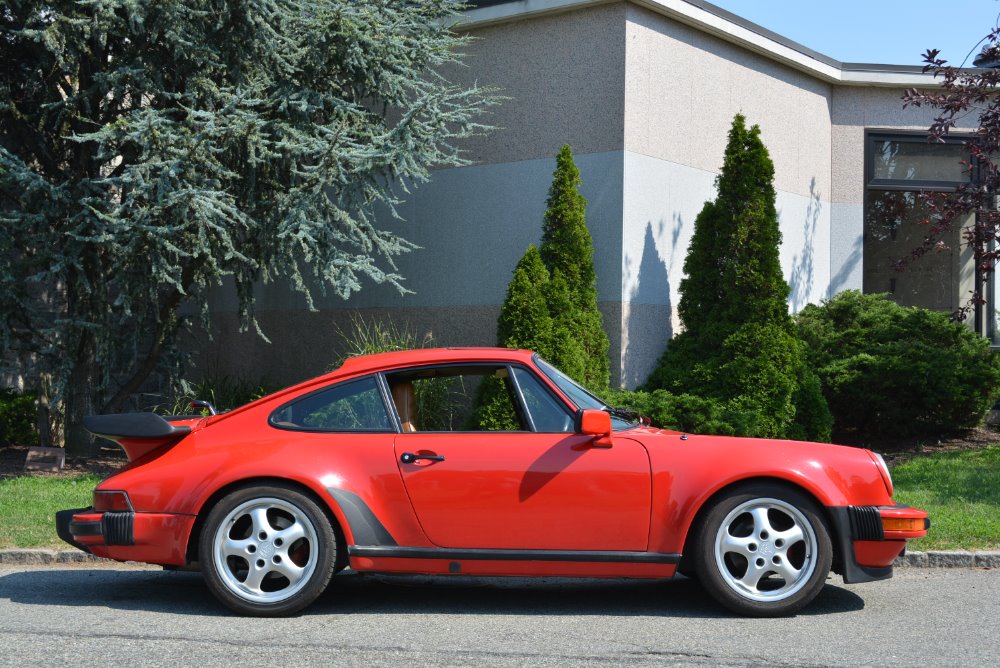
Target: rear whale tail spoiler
137, 433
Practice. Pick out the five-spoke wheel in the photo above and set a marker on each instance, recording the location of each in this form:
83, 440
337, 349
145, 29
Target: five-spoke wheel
267, 550
764, 550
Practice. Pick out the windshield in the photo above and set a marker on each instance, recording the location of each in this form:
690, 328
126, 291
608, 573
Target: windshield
581, 396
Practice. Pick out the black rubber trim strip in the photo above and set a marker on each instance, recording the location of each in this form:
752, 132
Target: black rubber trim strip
117, 528
514, 555
866, 523
365, 526
132, 425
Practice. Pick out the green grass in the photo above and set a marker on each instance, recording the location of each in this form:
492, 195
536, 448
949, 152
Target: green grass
961, 491
28, 506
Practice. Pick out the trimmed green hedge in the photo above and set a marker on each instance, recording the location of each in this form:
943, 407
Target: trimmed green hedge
887, 369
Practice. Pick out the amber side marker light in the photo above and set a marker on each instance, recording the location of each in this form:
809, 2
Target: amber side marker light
899, 524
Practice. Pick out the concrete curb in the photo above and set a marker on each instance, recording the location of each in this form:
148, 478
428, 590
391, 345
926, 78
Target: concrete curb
950, 559
27, 557
931, 559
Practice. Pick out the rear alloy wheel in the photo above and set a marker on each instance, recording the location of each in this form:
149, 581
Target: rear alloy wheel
764, 551
267, 551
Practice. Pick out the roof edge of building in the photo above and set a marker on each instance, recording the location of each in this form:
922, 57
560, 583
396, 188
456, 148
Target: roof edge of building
725, 25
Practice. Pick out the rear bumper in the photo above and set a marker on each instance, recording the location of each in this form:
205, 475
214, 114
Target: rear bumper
156, 538
865, 549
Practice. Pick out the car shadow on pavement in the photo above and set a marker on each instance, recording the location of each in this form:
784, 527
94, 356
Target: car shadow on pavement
679, 597
175, 592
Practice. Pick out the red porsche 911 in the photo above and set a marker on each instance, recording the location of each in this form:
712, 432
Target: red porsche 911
481, 461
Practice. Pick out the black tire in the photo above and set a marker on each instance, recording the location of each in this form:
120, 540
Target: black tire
763, 550
267, 551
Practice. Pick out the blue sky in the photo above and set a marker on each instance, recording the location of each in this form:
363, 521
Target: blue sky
895, 32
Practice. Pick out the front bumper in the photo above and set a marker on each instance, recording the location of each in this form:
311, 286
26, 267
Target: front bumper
156, 538
865, 549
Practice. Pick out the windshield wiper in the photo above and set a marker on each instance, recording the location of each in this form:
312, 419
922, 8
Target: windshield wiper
623, 413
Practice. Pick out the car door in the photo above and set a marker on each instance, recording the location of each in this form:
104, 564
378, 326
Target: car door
523, 489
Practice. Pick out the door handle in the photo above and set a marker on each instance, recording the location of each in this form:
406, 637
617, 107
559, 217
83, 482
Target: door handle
409, 457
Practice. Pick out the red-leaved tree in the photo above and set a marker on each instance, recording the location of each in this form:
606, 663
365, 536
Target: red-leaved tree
965, 93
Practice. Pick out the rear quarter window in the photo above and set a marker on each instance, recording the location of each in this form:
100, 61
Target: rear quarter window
356, 405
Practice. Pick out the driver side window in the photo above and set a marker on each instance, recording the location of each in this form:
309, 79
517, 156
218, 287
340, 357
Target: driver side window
484, 397
457, 398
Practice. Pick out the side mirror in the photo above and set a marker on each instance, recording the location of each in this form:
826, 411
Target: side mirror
591, 422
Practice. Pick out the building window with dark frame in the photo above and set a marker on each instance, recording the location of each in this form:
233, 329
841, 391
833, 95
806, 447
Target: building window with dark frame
898, 167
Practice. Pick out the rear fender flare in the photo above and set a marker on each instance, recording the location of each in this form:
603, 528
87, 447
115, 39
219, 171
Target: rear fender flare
338, 520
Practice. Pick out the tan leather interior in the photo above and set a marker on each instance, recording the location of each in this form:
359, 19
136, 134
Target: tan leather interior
406, 404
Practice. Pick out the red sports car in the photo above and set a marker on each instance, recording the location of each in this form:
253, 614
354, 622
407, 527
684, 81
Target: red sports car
481, 461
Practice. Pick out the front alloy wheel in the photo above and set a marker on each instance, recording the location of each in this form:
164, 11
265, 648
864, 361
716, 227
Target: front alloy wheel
764, 551
267, 551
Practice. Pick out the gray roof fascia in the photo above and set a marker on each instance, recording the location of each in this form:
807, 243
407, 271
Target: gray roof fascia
708, 18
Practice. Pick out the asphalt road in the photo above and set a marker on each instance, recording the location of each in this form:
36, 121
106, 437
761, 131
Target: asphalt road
129, 617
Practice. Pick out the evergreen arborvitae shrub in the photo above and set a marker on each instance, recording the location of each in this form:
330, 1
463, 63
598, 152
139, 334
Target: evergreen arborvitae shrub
738, 345
524, 317
887, 369
551, 302
580, 345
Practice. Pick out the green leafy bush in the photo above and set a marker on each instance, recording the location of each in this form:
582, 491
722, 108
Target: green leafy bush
887, 369
813, 419
493, 409
686, 412
17, 418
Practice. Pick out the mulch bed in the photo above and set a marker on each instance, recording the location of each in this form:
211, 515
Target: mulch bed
897, 450
109, 460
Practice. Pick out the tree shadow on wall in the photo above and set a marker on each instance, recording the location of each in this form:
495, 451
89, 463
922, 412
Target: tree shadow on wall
842, 279
648, 325
803, 266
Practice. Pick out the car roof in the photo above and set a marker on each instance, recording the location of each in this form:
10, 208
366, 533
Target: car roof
362, 364
390, 360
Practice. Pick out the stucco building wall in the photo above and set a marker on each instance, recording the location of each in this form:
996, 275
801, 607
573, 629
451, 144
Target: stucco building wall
683, 88
645, 93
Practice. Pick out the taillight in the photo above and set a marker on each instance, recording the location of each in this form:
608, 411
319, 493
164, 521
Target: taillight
111, 501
